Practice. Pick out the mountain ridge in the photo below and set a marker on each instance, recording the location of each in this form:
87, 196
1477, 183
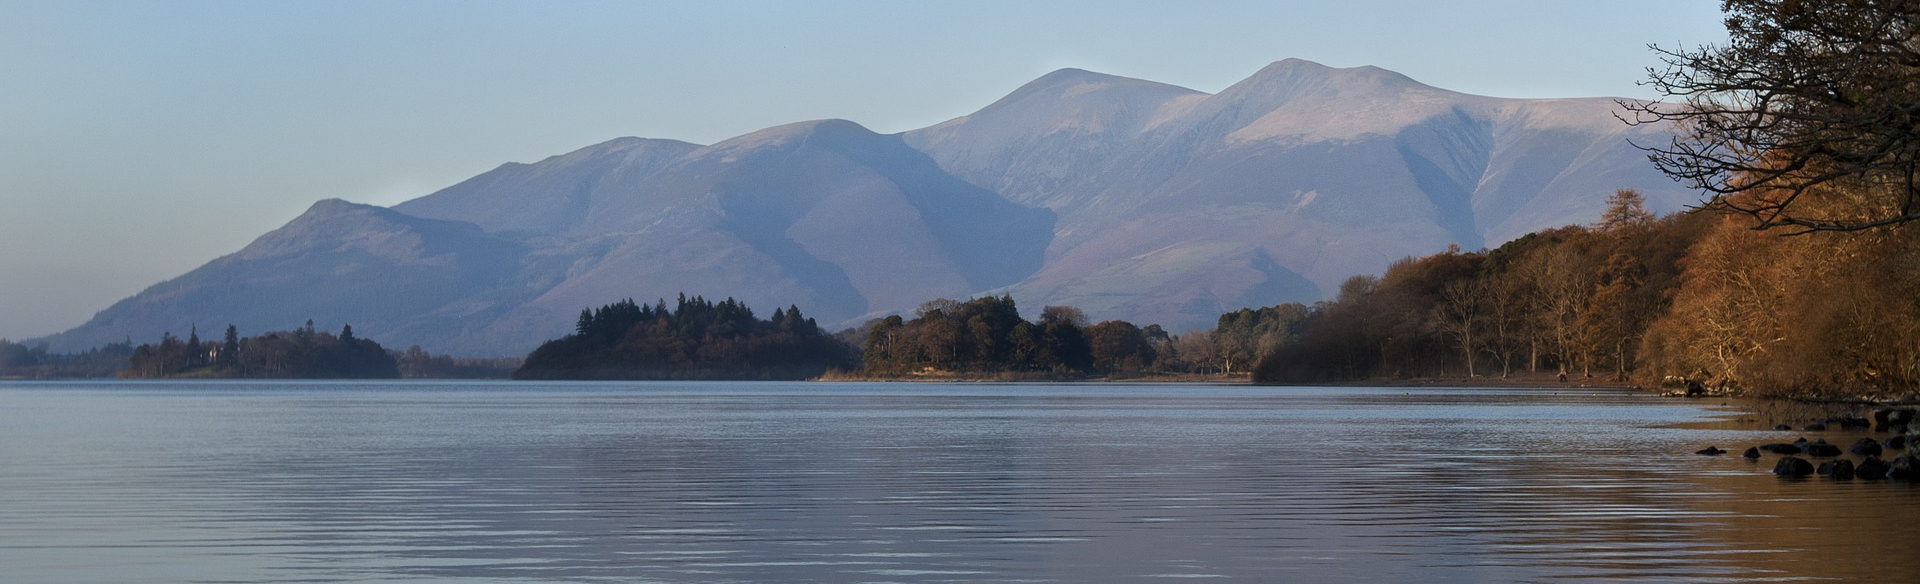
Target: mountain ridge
1129, 198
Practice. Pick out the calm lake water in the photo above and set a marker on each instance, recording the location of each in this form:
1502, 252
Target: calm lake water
827, 482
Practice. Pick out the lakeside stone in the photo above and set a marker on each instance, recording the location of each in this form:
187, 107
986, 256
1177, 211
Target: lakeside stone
1892, 419
1865, 447
1905, 468
1850, 422
1872, 468
1838, 469
1792, 467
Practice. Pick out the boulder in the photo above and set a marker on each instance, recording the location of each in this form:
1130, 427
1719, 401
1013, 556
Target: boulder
1791, 466
1751, 454
1850, 422
1896, 443
1783, 428
1905, 468
1892, 419
1871, 468
1865, 447
1838, 469
1778, 448
1821, 449
1815, 428
1711, 451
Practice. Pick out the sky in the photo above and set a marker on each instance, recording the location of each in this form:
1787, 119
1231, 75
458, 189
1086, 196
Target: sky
139, 140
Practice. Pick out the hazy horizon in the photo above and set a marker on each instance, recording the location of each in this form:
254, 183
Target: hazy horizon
159, 136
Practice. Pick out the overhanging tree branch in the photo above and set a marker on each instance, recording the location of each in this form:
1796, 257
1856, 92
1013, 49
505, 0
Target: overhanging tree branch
1808, 119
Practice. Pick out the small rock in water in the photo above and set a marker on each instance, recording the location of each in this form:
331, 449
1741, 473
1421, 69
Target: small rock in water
1865, 447
1905, 468
1816, 428
1822, 448
1783, 428
1850, 422
1751, 454
1892, 420
1838, 469
1778, 448
1872, 468
1896, 443
1712, 451
1793, 467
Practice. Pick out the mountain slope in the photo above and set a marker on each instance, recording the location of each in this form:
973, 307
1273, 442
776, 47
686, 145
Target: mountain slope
791, 215
391, 275
1282, 185
1128, 198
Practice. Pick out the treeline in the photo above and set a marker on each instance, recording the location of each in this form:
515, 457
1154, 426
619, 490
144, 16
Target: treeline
1635, 298
417, 363
696, 339
18, 361
303, 353
987, 337
1821, 314
1574, 300
979, 338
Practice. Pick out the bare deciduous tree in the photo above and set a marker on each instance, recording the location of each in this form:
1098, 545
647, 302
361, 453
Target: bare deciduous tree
1460, 315
1809, 102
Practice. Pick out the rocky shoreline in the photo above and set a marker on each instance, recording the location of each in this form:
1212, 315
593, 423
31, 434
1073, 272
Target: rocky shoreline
1894, 457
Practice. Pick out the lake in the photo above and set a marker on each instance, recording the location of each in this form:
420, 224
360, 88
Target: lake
891, 482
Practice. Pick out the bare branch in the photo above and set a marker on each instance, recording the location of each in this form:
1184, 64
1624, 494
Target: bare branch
1808, 105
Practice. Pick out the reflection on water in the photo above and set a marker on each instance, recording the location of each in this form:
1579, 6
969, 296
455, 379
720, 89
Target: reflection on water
421, 482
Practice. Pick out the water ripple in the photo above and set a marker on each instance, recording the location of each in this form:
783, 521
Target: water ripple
721, 483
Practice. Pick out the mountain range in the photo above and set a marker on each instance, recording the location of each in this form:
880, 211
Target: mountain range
1127, 198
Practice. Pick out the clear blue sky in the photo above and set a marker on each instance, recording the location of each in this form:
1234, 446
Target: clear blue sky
139, 140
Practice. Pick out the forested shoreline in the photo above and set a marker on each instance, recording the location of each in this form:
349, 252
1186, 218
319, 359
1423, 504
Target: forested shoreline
694, 339
19, 361
302, 353
1697, 299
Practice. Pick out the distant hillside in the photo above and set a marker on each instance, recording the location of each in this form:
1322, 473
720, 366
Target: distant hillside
1131, 199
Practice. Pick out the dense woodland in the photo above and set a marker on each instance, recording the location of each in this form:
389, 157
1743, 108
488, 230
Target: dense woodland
1699, 295
696, 339
1574, 300
18, 361
987, 337
979, 338
299, 354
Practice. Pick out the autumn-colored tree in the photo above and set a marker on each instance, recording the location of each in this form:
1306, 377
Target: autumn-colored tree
1613, 318
1117, 346
1459, 314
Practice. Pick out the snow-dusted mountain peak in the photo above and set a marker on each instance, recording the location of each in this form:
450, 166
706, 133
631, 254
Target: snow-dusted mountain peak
1128, 198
